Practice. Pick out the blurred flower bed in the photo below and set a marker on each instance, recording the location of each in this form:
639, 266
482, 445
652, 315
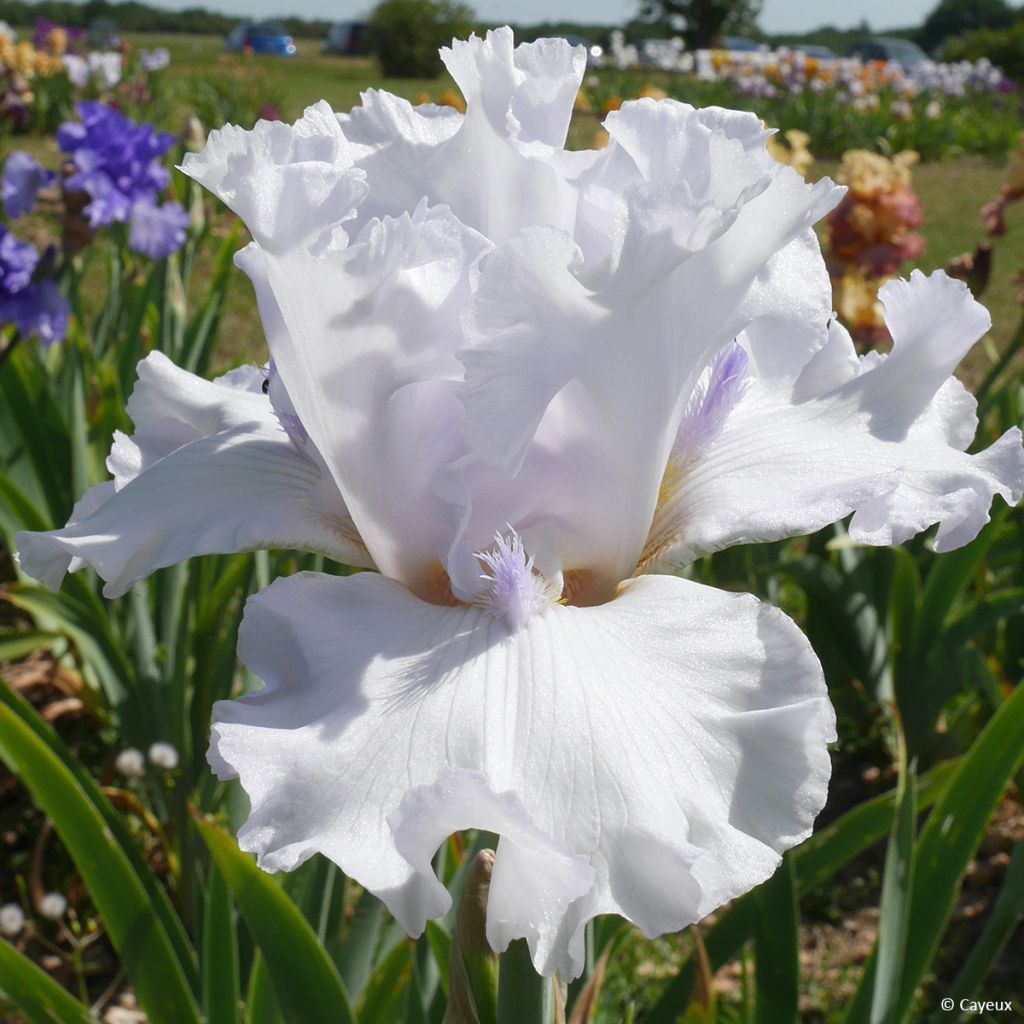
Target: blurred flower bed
938, 110
41, 78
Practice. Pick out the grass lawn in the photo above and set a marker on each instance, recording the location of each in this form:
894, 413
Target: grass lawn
292, 82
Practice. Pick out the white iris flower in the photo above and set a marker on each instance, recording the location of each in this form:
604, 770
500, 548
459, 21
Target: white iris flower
521, 382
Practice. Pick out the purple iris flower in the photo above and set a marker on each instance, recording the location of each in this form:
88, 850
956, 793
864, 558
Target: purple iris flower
34, 307
40, 309
22, 181
157, 231
44, 29
18, 261
116, 161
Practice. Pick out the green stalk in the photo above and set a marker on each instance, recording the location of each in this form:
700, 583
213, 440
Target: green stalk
523, 995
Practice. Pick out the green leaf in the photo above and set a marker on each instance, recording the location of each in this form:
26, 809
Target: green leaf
815, 861
88, 627
852, 620
904, 594
41, 428
356, 957
996, 607
894, 908
17, 643
946, 580
137, 933
523, 995
386, 991
158, 898
999, 928
221, 993
777, 945
78, 422
950, 837
821, 856
261, 1000
324, 906
202, 328
441, 947
953, 832
35, 994
16, 511
308, 987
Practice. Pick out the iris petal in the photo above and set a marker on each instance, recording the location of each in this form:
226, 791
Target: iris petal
651, 757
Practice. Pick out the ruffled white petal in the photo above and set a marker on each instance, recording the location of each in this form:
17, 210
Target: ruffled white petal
882, 437
577, 379
209, 469
650, 757
289, 183
504, 169
392, 143
526, 92
368, 357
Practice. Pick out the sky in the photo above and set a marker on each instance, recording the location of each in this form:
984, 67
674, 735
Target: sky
776, 15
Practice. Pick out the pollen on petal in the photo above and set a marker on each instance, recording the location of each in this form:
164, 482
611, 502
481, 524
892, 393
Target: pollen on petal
515, 591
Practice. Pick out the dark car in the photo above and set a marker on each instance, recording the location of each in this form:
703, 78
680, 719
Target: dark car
887, 48
347, 39
104, 34
737, 44
268, 37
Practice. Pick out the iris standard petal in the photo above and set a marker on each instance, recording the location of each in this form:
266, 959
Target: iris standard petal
650, 757
505, 168
290, 184
220, 444
555, 353
367, 352
391, 142
880, 436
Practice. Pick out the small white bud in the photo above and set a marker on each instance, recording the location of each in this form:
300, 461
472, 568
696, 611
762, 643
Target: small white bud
53, 905
131, 763
163, 755
12, 920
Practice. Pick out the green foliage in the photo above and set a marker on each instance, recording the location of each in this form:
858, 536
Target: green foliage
130, 16
954, 17
703, 22
1004, 47
406, 34
79, 815
242, 98
308, 987
41, 999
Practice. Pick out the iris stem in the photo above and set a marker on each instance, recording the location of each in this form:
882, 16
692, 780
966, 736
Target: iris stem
524, 997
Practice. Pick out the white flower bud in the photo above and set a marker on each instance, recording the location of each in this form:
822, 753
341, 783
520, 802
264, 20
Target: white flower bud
53, 905
12, 920
163, 755
131, 763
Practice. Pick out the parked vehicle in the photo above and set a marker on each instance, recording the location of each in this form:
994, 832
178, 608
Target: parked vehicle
104, 34
269, 37
347, 39
825, 53
737, 44
888, 48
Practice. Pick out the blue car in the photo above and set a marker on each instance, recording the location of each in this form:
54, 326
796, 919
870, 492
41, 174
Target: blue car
268, 37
